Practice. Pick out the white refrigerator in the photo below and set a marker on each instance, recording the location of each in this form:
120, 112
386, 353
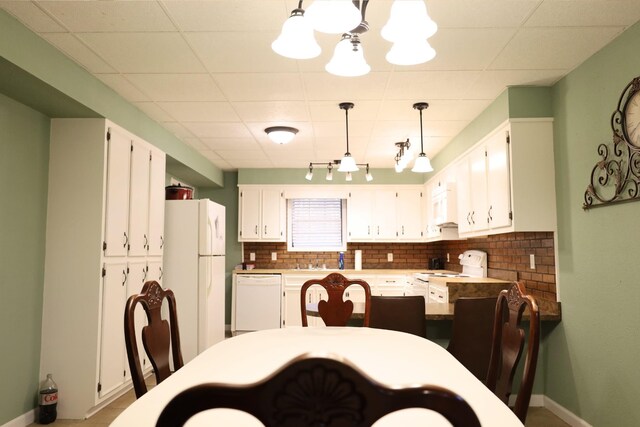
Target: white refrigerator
194, 269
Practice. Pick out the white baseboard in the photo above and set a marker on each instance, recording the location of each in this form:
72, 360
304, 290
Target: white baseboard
537, 400
23, 420
564, 414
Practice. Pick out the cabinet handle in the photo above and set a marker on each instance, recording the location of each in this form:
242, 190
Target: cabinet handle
256, 230
403, 230
161, 242
265, 230
126, 240
468, 220
161, 273
124, 277
368, 230
378, 230
472, 214
490, 217
146, 242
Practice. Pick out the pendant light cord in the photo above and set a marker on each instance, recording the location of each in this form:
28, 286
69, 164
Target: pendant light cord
421, 142
346, 114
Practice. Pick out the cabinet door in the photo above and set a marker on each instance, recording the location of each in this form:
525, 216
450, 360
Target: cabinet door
498, 181
291, 308
359, 214
478, 180
139, 199
156, 202
463, 181
154, 267
273, 211
116, 234
385, 215
409, 214
249, 215
112, 349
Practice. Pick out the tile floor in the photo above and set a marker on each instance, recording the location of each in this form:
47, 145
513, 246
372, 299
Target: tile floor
537, 417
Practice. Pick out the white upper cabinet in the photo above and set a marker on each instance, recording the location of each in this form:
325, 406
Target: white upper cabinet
156, 202
139, 199
359, 215
384, 215
262, 215
409, 214
506, 183
116, 239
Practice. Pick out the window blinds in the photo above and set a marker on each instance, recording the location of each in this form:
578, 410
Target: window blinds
316, 224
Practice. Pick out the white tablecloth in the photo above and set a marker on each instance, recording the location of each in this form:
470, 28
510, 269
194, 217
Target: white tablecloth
393, 358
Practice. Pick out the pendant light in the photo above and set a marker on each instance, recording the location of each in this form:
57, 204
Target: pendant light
296, 41
408, 20
348, 163
309, 175
333, 16
330, 172
422, 164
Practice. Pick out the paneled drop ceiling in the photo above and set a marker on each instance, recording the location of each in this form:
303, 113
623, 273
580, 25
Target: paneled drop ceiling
205, 69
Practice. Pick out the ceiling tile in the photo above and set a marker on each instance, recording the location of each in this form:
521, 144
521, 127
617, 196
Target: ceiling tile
439, 109
250, 164
273, 111
197, 144
177, 87
480, 14
78, 51
218, 130
217, 161
305, 131
492, 83
225, 52
109, 16
241, 154
427, 85
200, 111
224, 15
585, 13
123, 87
32, 16
246, 143
325, 111
178, 130
324, 86
261, 87
553, 48
144, 52
337, 129
154, 111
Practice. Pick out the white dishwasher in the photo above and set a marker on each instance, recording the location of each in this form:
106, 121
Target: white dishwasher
257, 302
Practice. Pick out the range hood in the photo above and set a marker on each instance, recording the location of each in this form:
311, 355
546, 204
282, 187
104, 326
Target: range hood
444, 205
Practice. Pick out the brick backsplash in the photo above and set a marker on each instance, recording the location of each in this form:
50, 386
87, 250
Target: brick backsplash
508, 257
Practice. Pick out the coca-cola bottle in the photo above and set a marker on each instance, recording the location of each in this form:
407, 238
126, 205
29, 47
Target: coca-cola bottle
48, 401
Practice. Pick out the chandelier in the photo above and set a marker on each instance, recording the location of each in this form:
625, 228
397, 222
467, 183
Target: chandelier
408, 28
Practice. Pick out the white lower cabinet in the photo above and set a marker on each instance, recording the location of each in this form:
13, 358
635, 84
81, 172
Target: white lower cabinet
89, 269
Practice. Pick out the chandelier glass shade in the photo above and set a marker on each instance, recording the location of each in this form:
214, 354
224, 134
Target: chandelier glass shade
333, 16
348, 58
348, 164
422, 164
408, 28
297, 40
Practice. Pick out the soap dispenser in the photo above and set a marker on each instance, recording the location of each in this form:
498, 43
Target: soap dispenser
341, 261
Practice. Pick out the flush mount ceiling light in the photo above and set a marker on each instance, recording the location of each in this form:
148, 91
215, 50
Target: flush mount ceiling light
281, 134
422, 164
408, 28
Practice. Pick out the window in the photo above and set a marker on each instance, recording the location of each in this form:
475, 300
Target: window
316, 225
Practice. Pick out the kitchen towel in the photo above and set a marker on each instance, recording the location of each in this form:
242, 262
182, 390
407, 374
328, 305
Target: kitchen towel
358, 260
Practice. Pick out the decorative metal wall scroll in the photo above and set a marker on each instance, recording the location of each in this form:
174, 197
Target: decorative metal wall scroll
616, 177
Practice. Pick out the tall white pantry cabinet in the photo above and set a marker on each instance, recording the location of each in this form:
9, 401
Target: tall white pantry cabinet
105, 225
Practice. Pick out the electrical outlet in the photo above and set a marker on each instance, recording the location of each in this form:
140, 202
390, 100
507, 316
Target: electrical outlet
532, 261
390, 257
252, 256
274, 256
447, 256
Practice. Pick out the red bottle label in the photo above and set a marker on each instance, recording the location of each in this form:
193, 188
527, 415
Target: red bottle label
48, 398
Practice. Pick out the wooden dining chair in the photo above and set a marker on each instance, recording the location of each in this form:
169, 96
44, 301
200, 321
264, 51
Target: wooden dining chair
508, 346
399, 313
317, 391
157, 336
472, 332
335, 311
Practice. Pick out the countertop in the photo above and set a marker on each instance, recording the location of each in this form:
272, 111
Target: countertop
350, 272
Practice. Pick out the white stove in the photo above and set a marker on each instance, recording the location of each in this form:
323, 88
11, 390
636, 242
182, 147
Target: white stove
474, 264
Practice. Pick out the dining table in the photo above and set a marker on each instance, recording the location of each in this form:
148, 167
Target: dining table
389, 357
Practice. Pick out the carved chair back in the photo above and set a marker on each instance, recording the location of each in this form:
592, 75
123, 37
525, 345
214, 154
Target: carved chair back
335, 311
317, 391
508, 347
157, 336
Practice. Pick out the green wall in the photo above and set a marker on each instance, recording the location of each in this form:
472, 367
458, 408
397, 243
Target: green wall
228, 197
297, 177
592, 356
24, 160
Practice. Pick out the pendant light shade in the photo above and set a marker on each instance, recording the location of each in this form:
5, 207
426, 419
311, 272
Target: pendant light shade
334, 16
368, 175
297, 40
349, 177
348, 58
408, 20
410, 52
309, 175
330, 172
422, 164
348, 164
